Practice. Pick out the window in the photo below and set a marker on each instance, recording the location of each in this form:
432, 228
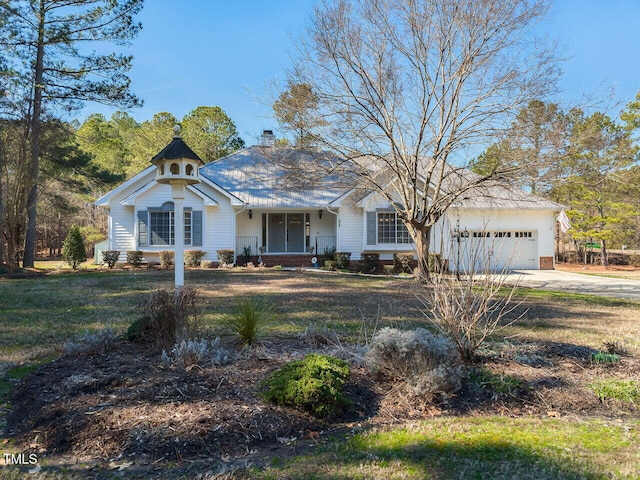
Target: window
391, 229
162, 226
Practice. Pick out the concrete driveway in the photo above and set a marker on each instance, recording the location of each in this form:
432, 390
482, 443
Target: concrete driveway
577, 283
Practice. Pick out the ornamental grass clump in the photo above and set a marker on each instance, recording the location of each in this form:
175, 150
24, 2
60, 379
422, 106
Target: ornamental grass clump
427, 364
313, 384
250, 319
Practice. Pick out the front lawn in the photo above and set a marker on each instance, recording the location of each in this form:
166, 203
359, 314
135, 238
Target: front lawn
124, 408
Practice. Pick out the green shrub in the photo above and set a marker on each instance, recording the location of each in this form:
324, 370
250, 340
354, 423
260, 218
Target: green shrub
250, 319
134, 258
624, 390
388, 269
343, 260
313, 384
225, 258
371, 262
403, 262
110, 257
192, 257
166, 258
73, 251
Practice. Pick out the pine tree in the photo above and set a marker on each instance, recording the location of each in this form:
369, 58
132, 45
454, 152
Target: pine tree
73, 250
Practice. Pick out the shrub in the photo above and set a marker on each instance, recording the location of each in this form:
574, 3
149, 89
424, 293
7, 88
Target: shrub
168, 317
250, 319
388, 269
403, 262
110, 257
328, 253
73, 251
225, 258
192, 352
343, 260
192, 257
245, 258
206, 264
371, 262
134, 258
329, 265
99, 342
313, 384
166, 258
428, 364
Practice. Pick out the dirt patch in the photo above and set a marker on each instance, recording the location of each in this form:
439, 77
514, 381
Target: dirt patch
123, 409
624, 271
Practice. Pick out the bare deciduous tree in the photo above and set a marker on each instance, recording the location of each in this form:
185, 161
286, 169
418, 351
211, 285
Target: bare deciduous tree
406, 88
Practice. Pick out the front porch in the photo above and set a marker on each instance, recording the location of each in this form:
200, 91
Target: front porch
282, 237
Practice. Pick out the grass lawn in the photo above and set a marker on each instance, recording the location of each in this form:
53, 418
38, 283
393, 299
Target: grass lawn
38, 315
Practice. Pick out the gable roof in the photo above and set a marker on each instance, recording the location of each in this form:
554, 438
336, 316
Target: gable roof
259, 177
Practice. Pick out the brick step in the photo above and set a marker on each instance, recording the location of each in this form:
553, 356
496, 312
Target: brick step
293, 260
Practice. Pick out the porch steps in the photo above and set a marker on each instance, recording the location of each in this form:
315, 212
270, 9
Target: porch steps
294, 260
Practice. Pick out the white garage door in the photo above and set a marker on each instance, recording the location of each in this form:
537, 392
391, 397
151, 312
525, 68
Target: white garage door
496, 250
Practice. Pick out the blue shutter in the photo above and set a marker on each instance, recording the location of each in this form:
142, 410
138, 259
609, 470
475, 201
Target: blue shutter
143, 239
372, 228
196, 228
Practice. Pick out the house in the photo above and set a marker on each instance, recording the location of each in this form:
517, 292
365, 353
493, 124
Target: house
249, 202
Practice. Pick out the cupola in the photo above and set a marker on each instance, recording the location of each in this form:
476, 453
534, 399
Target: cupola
177, 163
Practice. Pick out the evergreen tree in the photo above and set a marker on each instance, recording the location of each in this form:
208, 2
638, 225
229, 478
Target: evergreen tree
73, 250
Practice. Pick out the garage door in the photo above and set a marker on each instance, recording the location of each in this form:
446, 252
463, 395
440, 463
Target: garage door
496, 250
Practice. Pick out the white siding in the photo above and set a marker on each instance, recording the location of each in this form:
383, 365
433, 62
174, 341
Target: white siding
217, 221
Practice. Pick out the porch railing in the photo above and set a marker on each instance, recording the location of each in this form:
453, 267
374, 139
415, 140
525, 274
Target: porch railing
325, 243
246, 241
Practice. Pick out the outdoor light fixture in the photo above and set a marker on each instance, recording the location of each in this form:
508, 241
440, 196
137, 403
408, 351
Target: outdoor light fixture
250, 214
320, 214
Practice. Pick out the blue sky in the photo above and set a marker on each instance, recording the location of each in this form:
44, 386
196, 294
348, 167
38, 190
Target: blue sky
229, 53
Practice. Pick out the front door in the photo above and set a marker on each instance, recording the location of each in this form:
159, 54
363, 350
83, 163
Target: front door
295, 232
277, 232
286, 232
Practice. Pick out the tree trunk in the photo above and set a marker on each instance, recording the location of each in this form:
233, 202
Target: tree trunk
604, 257
34, 145
423, 239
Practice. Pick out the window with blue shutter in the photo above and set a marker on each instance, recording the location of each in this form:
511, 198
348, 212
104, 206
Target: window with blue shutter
196, 218
372, 228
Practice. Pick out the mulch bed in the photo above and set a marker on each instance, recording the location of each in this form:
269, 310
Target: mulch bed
125, 410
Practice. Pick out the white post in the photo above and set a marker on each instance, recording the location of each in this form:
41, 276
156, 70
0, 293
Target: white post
178, 191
